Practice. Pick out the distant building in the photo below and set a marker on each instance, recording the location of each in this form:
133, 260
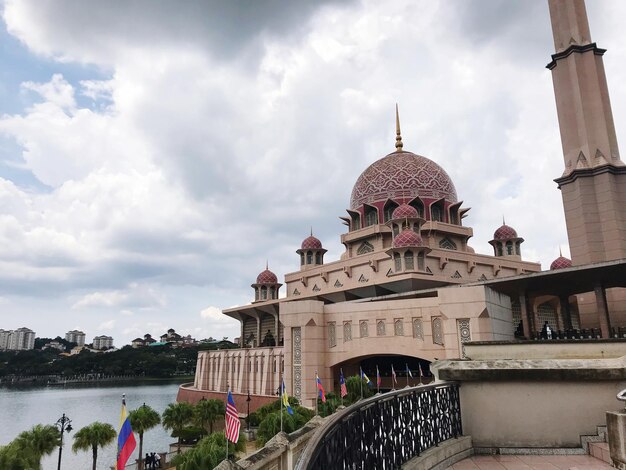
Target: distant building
146, 341
17, 340
4, 339
54, 345
102, 342
75, 336
171, 336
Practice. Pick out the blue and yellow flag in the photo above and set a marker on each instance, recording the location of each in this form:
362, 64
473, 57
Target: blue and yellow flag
366, 378
286, 399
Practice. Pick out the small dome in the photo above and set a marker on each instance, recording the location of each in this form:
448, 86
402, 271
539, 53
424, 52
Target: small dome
560, 263
505, 233
407, 238
404, 211
267, 277
311, 243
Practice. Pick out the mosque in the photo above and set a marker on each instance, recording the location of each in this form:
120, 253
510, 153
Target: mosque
409, 289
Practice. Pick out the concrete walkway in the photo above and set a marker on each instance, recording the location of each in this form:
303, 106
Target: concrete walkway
536, 462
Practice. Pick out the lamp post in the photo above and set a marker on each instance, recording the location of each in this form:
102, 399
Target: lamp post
248, 415
65, 425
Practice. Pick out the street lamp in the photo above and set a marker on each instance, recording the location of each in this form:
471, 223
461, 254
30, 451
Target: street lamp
248, 416
65, 425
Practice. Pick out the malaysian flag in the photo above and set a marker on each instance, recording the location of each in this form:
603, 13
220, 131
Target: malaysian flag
320, 389
232, 420
342, 384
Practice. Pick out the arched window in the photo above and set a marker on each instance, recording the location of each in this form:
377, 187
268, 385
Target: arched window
356, 221
318, 258
272, 292
435, 213
417, 328
509, 247
301, 259
408, 260
371, 216
447, 244
347, 331
364, 330
309, 257
437, 331
366, 247
380, 328
390, 206
256, 293
397, 262
517, 249
332, 337
421, 261
396, 230
398, 328
499, 249
418, 206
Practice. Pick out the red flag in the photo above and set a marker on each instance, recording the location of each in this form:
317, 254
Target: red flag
320, 389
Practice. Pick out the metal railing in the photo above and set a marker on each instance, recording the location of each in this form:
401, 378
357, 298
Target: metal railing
387, 430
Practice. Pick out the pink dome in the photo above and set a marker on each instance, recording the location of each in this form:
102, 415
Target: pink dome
311, 243
404, 211
267, 277
560, 263
402, 175
407, 239
505, 233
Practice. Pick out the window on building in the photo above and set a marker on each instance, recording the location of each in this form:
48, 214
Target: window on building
397, 262
499, 249
380, 328
347, 331
332, 335
398, 327
390, 206
309, 257
366, 247
408, 260
371, 216
447, 244
318, 258
364, 330
263, 293
509, 247
436, 214
421, 261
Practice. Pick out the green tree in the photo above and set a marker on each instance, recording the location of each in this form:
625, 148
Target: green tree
206, 412
39, 441
354, 385
209, 452
93, 436
13, 457
143, 419
175, 417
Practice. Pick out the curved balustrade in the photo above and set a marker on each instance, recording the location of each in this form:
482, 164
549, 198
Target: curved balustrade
387, 430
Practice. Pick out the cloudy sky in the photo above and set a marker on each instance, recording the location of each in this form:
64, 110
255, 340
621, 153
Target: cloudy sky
154, 153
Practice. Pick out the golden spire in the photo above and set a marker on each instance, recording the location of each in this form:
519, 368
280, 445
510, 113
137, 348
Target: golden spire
398, 135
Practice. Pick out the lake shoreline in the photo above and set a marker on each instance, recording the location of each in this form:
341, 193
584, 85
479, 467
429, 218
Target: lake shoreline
91, 382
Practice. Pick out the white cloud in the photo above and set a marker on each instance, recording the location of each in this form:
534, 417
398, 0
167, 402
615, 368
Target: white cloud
107, 325
208, 149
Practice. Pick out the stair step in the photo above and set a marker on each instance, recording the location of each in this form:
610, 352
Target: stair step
600, 450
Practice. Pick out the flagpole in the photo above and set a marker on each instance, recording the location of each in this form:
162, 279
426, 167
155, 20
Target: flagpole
344, 381
225, 422
377, 381
281, 404
361, 369
407, 375
317, 393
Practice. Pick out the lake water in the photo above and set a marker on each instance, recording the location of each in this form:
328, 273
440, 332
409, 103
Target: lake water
21, 408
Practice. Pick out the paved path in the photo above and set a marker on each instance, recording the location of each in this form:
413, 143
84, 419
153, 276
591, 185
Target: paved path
530, 462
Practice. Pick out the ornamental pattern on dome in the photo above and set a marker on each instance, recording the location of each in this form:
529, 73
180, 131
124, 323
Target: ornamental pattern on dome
267, 277
560, 263
408, 238
311, 243
505, 233
405, 211
402, 175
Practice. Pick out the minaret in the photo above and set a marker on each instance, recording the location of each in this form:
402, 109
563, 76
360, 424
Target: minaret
593, 183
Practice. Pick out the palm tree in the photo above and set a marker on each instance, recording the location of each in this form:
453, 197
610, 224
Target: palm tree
207, 412
141, 420
39, 441
13, 457
93, 436
175, 417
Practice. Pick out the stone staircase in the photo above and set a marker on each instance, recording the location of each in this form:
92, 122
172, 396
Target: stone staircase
597, 445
